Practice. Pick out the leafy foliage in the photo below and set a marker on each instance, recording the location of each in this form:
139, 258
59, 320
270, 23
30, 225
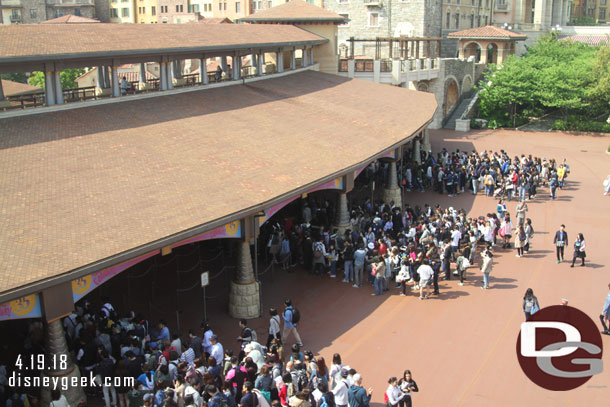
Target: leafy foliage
15, 77
67, 77
554, 76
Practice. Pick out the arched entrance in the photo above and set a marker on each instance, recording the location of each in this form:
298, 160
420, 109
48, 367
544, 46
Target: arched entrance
473, 49
452, 95
466, 86
492, 53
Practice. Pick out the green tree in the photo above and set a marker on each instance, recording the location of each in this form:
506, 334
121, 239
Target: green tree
15, 77
600, 93
67, 77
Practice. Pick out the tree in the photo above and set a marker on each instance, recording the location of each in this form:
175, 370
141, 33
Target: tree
15, 77
600, 93
67, 77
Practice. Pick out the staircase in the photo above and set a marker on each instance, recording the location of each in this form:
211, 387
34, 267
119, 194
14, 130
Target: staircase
457, 113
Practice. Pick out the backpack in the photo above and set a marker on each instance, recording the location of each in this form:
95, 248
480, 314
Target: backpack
221, 400
327, 400
296, 315
317, 253
253, 335
302, 380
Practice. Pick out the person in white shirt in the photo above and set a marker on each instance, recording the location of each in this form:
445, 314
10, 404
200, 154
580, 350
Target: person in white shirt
456, 235
394, 394
217, 351
274, 326
425, 276
207, 335
341, 389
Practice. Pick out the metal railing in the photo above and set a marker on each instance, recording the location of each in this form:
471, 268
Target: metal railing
343, 65
79, 94
386, 65
364, 65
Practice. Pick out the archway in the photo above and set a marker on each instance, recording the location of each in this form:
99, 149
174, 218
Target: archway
422, 87
472, 49
492, 53
452, 95
466, 85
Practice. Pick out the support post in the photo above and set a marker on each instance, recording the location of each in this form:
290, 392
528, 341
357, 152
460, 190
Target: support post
142, 72
259, 64
100, 77
293, 59
163, 76
177, 69
116, 91
305, 59
203, 71
342, 218
391, 191
59, 93
106, 77
169, 66
280, 61
244, 298
426, 142
311, 60
49, 89
417, 151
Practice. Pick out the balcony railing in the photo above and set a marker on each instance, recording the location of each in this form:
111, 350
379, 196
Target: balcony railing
386, 65
364, 65
343, 65
501, 7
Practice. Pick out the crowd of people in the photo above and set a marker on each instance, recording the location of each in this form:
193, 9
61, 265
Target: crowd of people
495, 173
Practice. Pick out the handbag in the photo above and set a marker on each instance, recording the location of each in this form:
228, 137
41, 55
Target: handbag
535, 308
374, 271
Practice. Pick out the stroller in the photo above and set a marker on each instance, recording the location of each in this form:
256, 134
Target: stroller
500, 191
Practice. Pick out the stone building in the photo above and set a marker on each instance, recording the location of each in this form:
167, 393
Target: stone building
596, 9
460, 15
58, 8
23, 11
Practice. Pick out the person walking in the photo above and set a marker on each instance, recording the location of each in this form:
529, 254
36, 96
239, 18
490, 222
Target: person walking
357, 395
359, 259
529, 232
425, 275
579, 250
521, 211
462, 263
486, 267
290, 327
560, 241
605, 315
553, 185
530, 304
379, 274
348, 262
606, 185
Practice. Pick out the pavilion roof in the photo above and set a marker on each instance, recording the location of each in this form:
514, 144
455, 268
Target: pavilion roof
294, 11
11, 88
70, 19
83, 187
487, 32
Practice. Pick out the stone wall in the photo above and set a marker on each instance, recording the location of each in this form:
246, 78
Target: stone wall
40, 11
102, 10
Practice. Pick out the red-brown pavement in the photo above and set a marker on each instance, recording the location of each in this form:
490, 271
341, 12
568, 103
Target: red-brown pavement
461, 345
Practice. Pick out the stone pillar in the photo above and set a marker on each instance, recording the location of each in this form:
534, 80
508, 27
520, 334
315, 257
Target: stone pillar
392, 192
244, 299
106, 77
57, 351
177, 69
417, 151
351, 68
100, 77
426, 142
116, 91
377, 70
203, 71
169, 76
49, 89
223, 64
280, 61
259, 64
305, 58
311, 60
342, 217
163, 76
1, 91
236, 67
59, 93
142, 72
293, 60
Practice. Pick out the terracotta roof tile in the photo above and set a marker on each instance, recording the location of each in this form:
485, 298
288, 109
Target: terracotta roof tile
488, 31
70, 19
594, 40
11, 88
295, 10
85, 184
34, 40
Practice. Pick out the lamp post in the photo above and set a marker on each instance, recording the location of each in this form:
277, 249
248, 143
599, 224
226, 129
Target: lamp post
555, 31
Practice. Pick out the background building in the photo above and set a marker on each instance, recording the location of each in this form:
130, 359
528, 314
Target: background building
147, 11
58, 8
23, 11
460, 15
122, 11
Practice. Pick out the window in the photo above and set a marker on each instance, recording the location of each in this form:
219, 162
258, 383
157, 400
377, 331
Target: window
472, 2
485, 20
342, 1
448, 21
487, 3
114, 13
164, 9
15, 14
457, 1
457, 20
237, 7
77, 12
153, 10
472, 21
602, 2
602, 13
270, 4
33, 13
125, 12
346, 24
179, 8
478, 21
225, 6
373, 19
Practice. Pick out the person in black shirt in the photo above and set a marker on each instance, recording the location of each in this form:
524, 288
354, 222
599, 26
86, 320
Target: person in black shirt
248, 399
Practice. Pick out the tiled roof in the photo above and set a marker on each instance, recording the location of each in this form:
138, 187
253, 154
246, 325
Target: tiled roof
70, 19
85, 184
295, 10
488, 31
26, 41
11, 88
225, 20
594, 40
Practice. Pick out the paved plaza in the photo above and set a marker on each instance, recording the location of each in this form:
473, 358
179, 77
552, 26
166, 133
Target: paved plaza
461, 345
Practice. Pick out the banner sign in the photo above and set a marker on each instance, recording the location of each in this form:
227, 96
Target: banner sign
230, 230
24, 307
84, 285
275, 209
337, 183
